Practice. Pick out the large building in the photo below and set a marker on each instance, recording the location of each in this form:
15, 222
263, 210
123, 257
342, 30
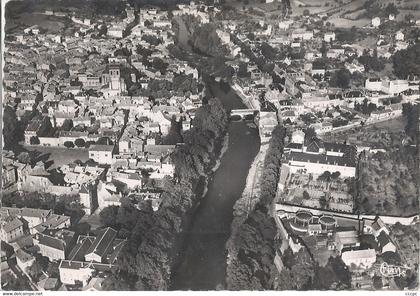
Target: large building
359, 258
101, 153
316, 157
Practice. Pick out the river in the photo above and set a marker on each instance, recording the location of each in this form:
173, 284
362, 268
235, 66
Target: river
202, 262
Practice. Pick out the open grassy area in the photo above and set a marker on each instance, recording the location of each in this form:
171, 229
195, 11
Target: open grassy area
384, 134
387, 180
51, 24
388, 184
59, 156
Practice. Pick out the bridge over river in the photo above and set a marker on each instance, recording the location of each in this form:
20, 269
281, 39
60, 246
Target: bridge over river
243, 114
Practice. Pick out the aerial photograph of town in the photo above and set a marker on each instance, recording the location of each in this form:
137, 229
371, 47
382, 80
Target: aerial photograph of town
210, 145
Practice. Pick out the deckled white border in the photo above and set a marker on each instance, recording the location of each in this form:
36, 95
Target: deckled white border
172, 293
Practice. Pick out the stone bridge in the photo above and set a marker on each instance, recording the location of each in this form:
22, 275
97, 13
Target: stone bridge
244, 114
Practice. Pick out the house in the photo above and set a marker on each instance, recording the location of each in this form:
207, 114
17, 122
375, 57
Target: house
329, 36
108, 195
355, 66
314, 229
101, 245
72, 272
95, 284
101, 153
379, 226
346, 239
48, 284
302, 34
4, 265
385, 243
267, 123
36, 128
359, 258
40, 183
373, 84
335, 52
86, 198
399, 36
23, 259
11, 229
55, 245
116, 31
393, 87
37, 218
376, 22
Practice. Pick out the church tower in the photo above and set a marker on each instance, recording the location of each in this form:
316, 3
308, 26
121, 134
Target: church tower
114, 77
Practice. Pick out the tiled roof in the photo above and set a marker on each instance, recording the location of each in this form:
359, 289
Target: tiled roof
12, 225
319, 158
383, 239
102, 242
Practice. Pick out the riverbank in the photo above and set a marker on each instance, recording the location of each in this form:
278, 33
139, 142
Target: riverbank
202, 264
251, 191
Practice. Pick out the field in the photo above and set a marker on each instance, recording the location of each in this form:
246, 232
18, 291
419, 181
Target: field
382, 134
387, 180
58, 156
51, 24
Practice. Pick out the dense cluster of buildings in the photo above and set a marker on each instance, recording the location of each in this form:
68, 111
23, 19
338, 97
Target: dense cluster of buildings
107, 91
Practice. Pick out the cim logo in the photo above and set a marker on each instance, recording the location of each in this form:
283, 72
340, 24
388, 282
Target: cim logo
392, 270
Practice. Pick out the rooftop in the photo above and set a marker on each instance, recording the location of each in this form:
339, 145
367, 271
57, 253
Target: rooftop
108, 148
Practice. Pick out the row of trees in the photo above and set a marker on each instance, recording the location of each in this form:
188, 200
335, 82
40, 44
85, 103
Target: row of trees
302, 273
252, 246
407, 62
412, 116
145, 262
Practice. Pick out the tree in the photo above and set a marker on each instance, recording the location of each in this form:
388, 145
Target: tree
160, 65
147, 23
377, 282
347, 35
68, 144
10, 128
411, 115
12, 283
323, 202
67, 125
89, 143
34, 140
341, 78
325, 176
310, 134
80, 143
391, 9
407, 61
174, 135
24, 157
335, 275
35, 270
335, 175
243, 70
108, 216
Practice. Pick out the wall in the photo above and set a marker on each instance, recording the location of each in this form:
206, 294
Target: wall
386, 219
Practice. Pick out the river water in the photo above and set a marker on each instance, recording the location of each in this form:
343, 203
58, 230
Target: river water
202, 262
